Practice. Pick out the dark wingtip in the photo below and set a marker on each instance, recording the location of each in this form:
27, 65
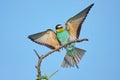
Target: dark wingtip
91, 5
29, 37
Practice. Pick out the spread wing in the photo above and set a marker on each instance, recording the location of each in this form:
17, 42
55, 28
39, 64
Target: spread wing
74, 24
47, 38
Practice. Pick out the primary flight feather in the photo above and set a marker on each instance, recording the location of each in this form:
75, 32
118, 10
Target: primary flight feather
63, 35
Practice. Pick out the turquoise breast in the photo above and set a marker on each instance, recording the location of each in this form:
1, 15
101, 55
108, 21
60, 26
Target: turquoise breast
63, 37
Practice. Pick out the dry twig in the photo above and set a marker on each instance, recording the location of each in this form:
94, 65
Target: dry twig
40, 58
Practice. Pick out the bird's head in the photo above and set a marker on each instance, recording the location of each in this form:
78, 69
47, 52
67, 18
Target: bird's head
59, 28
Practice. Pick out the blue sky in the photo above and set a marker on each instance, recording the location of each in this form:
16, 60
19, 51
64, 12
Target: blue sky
20, 18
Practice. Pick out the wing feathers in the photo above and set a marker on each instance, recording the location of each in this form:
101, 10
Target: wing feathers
47, 38
74, 24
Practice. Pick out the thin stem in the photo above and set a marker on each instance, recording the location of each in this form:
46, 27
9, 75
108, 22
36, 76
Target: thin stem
39, 63
40, 58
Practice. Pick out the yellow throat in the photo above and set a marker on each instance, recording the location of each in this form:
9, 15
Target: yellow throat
60, 30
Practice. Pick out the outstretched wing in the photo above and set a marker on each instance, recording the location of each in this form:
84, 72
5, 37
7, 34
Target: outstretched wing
47, 38
74, 24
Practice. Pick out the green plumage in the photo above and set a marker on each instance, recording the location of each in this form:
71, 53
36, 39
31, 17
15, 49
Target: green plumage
73, 55
65, 37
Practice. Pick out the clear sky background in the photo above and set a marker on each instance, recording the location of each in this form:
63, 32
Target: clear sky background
20, 18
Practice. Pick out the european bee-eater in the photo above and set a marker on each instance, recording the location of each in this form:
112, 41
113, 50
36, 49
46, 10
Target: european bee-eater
63, 35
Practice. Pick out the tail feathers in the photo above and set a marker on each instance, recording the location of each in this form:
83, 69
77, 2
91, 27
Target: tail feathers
73, 61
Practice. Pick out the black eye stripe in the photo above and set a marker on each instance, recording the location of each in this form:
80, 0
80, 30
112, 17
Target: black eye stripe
59, 27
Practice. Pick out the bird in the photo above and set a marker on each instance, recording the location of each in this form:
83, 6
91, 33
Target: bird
54, 39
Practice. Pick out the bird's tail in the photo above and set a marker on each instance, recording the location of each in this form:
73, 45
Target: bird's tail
70, 61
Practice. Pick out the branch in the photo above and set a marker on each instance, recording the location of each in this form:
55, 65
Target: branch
40, 58
39, 64
57, 49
